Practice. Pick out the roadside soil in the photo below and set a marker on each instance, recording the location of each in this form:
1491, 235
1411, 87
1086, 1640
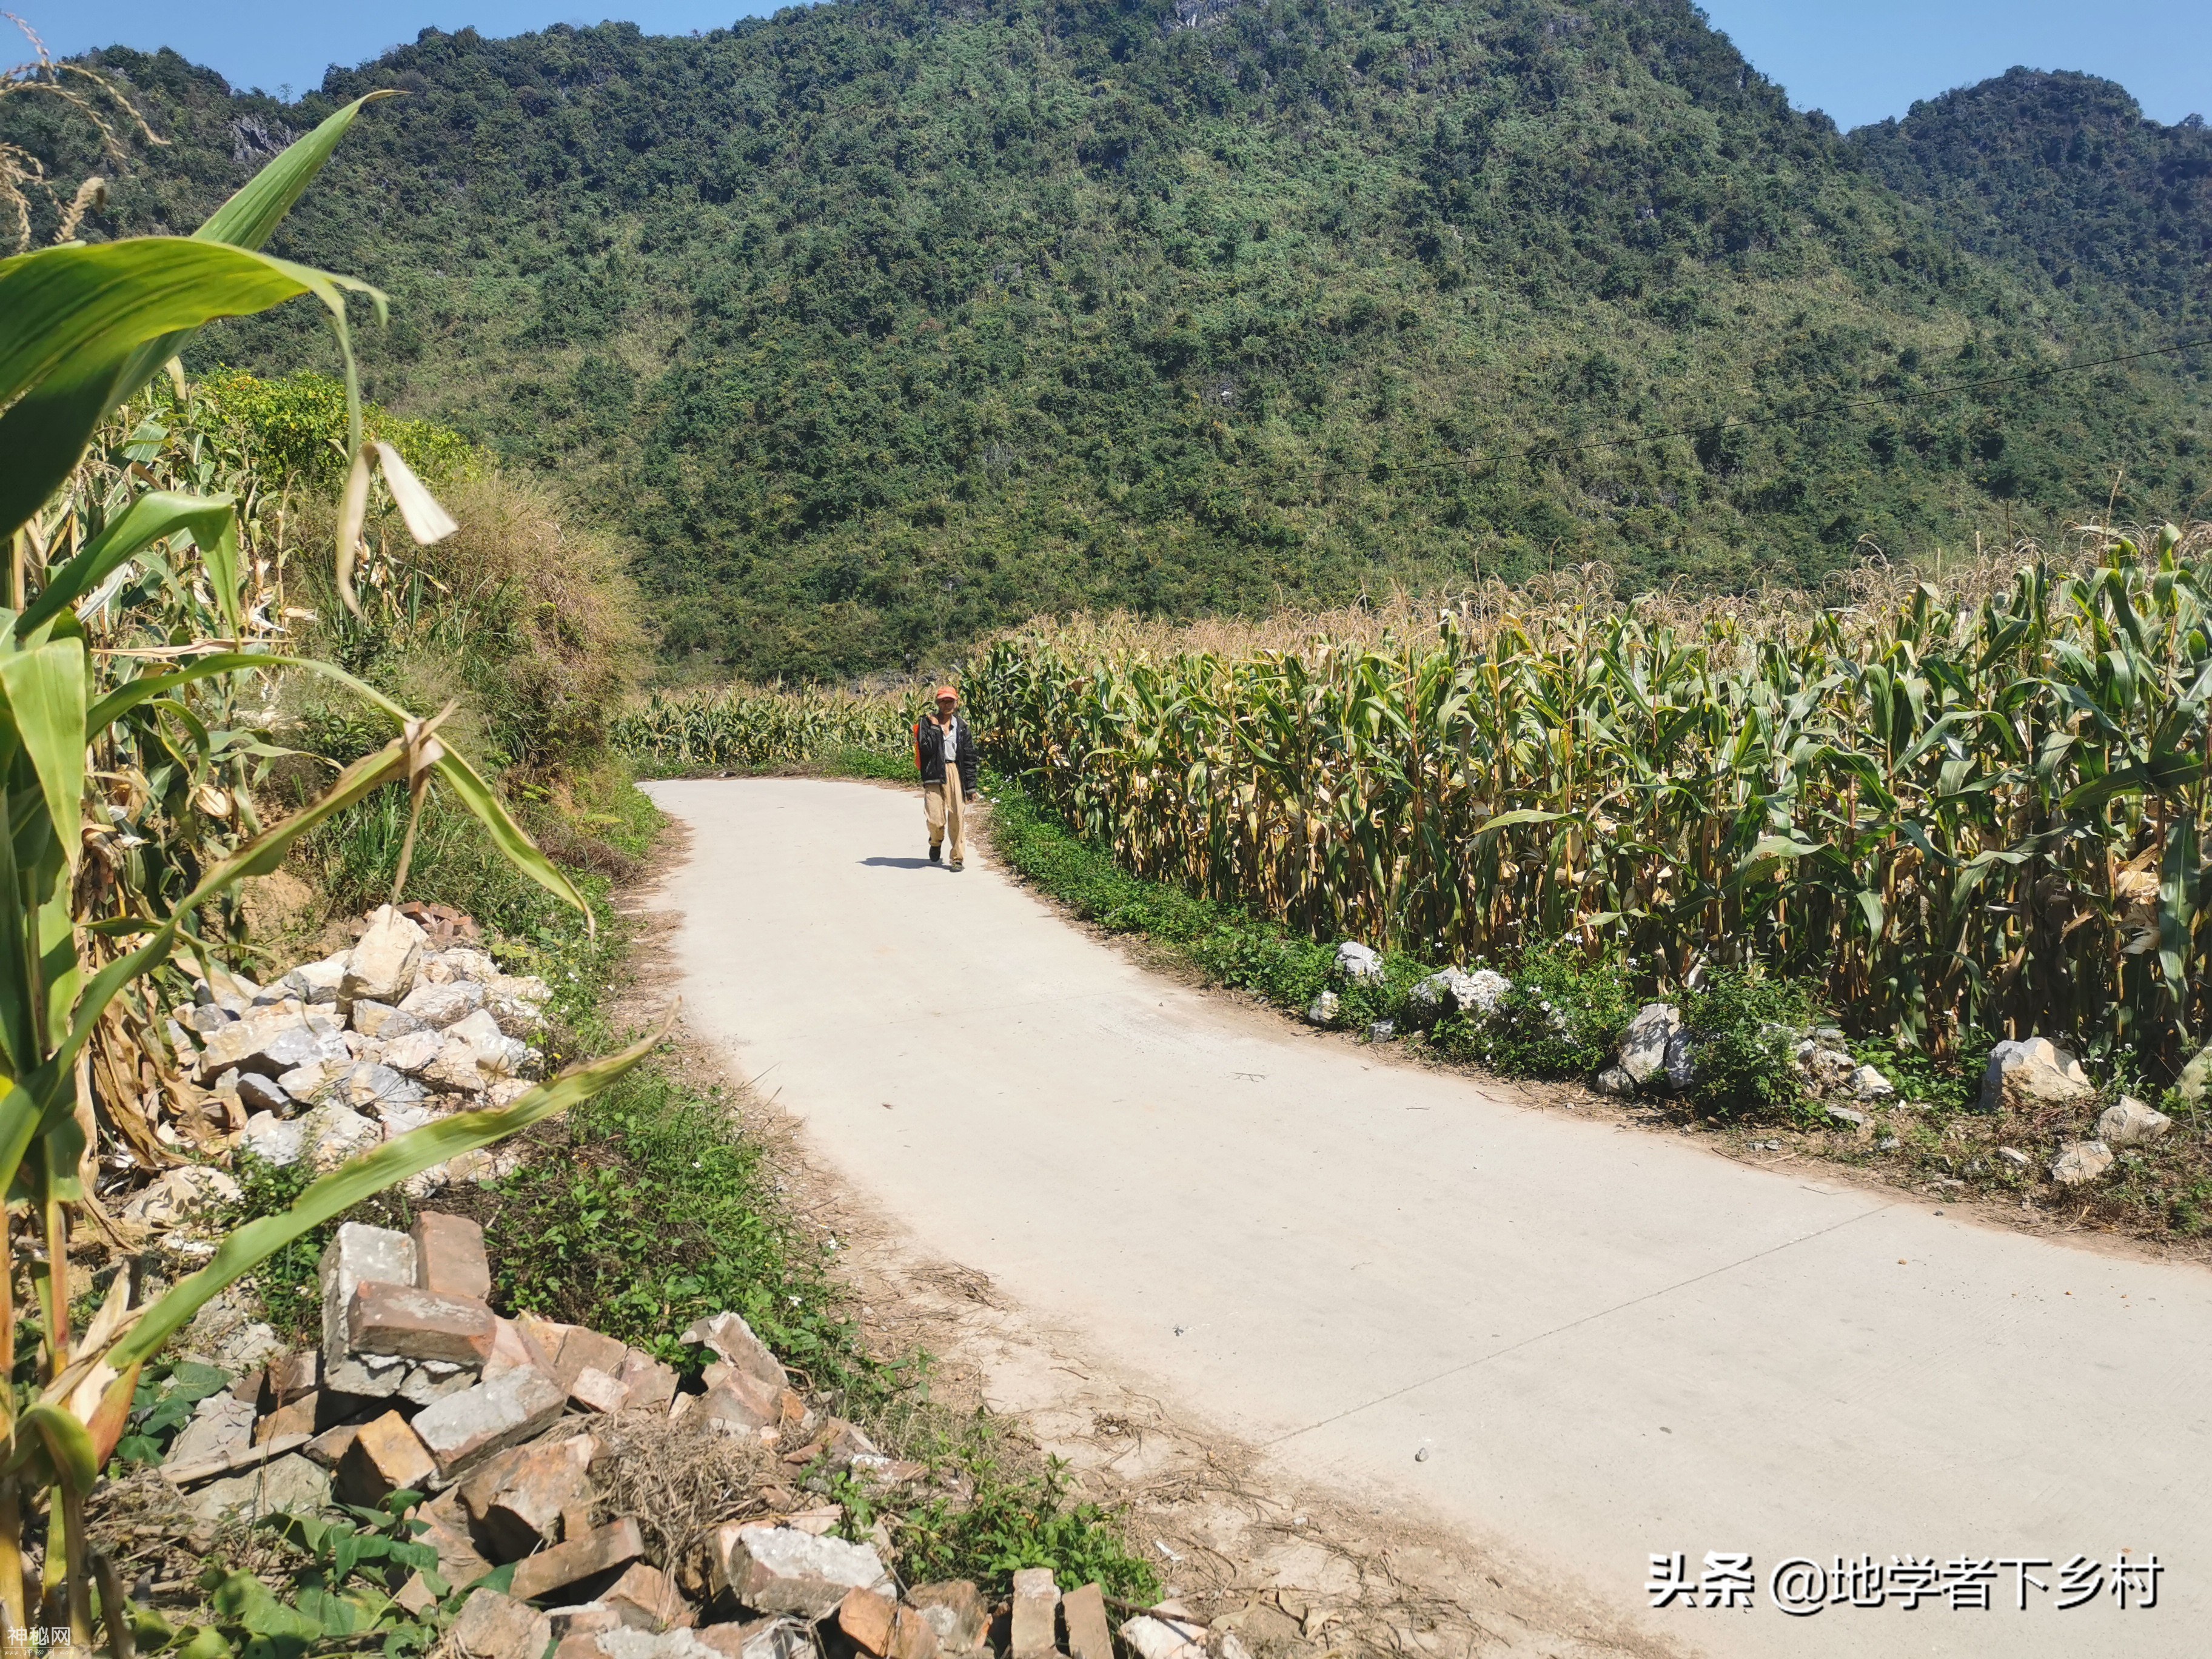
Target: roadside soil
1297, 1572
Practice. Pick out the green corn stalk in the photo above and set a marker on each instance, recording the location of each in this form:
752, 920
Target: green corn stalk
81, 328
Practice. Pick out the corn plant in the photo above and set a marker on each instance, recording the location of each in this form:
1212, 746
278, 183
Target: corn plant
1953, 811
81, 328
753, 727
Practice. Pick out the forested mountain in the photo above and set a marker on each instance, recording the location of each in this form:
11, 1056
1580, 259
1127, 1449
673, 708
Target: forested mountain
2061, 173
877, 323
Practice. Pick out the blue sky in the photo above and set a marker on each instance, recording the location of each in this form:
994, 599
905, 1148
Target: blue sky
1860, 60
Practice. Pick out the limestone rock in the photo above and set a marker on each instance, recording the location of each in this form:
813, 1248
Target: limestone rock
383, 965
274, 1139
1682, 1063
2030, 1075
1614, 1081
1868, 1084
2196, 1082
288, 1483
1159, 1636
316, 983
414, 1052
2081, 1163
337, 1134
2131, 1123
1355, 961
221, 1426
442, 1005
1644, 1045
180, 1195
258, 1093
1323, 1010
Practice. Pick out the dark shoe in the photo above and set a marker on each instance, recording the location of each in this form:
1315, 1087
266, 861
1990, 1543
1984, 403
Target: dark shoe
934, 853
955, 865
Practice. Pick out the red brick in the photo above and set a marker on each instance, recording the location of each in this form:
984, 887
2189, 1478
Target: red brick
449, 1256
1089, 1634
418, 1324
297, 1417
595, 1552
595, 1390
867, 1618
645, 1599
581, 1348
647, 1382
385, 1456
517, 1499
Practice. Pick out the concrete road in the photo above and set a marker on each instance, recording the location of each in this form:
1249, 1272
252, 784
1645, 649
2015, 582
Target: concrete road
1612, 1344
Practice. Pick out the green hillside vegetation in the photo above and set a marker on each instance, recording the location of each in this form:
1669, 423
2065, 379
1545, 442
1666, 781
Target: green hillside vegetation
870, 327
2061, 173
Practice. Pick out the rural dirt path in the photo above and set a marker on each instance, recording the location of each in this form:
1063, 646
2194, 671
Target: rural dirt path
1607, 1345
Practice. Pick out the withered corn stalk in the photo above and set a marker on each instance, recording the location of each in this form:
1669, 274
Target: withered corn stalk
1954, 809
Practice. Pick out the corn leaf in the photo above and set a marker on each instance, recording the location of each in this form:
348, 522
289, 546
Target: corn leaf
73, 317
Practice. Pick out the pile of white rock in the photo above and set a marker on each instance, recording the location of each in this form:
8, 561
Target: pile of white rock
340, 1054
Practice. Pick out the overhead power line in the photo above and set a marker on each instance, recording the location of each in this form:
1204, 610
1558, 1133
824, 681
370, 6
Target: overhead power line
1830, 406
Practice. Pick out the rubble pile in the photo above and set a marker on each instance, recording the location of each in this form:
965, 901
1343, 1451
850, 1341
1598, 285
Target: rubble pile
514, 1428
338, 1055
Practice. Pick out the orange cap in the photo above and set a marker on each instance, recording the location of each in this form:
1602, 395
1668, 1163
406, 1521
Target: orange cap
944, 691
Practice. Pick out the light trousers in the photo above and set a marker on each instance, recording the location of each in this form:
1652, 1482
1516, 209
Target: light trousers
941, 805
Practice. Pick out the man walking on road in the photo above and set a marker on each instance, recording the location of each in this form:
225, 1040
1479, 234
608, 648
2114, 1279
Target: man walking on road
945, 752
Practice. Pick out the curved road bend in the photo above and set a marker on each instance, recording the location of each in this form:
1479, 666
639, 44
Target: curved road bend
1612, 1343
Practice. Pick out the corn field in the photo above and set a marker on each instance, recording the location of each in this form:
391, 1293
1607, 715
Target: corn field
753, 727
1973, 807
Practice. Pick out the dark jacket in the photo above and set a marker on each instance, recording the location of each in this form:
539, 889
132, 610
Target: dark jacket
929, 753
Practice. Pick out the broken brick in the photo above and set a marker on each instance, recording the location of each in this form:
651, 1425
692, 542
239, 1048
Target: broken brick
328, 1447
598, 1552
419, 1324
866, 1617
731, 1337
1089, 1634
956, 1612
1036, 1600
728, 1406
581, 1348
449, 1255
445, 1524
595, 1390
463, 1429
782, 1569
512, 1346
297, 1417
496, 1626
646, 1382
515, 1501
385, 1456
644, 1598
